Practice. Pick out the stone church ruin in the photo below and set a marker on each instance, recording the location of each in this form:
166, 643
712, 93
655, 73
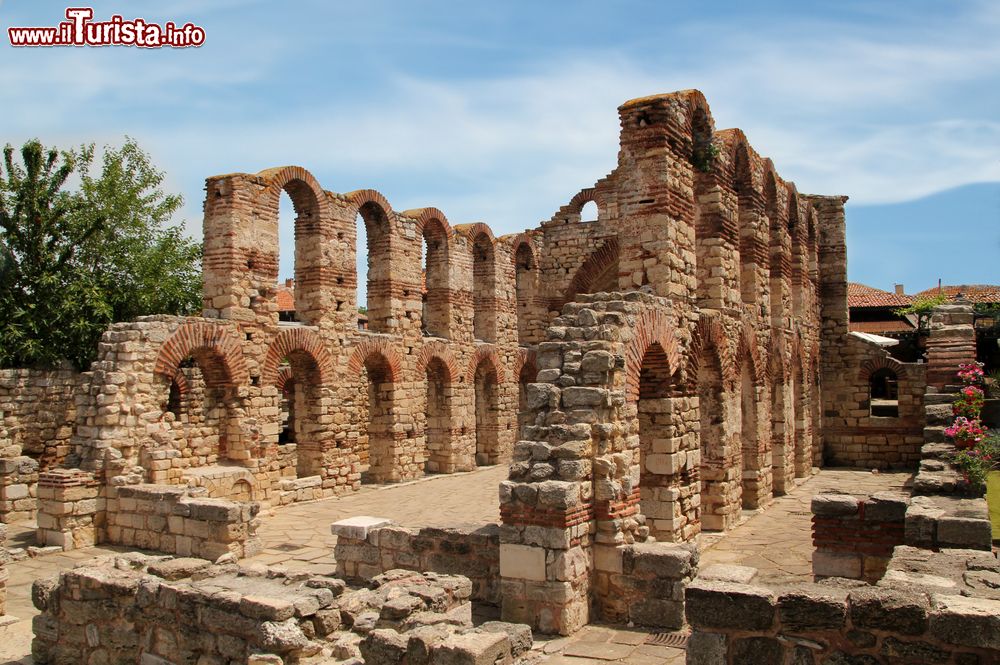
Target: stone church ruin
648, 376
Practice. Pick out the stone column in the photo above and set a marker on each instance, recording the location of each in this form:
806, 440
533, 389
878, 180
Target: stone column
951, 342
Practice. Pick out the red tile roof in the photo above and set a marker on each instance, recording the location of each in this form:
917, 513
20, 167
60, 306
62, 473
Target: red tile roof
862, 295
971, 292
285, 299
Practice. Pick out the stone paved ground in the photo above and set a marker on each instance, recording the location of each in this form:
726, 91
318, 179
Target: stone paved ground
777, 541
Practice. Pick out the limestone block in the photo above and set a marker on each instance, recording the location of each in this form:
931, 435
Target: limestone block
358, 528
837, 564
522, 562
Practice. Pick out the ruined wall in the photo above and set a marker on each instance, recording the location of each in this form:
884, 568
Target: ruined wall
473, 552
37, 415
136, 608
855, 536
809, 623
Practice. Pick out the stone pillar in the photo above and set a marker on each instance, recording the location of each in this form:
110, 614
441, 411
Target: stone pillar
951, 342
70, 509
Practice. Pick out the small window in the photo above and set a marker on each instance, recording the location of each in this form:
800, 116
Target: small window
883, 394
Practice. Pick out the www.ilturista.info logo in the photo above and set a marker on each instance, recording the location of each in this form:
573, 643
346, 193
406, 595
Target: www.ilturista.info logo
80, 30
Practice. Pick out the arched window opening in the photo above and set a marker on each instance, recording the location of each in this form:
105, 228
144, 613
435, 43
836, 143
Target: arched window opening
202, 428
286, 238
484, 289
589, 212
374, 269
434, 280
287, 433
667, 511
526, 286
437, 414
883, 394
487, 414
377, 455
174, 397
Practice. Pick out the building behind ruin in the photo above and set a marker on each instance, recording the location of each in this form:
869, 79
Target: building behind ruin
653, 372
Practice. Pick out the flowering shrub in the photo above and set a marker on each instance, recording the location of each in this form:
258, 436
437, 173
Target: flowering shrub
976, 462
969, 402
971, 374
965, 431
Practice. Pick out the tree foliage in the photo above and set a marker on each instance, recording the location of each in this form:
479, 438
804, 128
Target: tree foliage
72, 262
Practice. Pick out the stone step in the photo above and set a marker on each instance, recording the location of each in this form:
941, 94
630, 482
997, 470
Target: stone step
938, 414
934, 435
938, 398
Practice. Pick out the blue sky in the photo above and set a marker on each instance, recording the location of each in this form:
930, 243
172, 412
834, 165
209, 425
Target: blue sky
501, 111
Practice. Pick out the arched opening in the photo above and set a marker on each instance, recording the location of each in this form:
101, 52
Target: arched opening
287, 433
883, 393
241, 491
712, 415
752, 471
301, 432
373, 266
599, 273
589, 212
376, 442
293, 270
526, 286
484, 289
662, 461
487, 404
436, 313
437, 417
528, 374
201, 418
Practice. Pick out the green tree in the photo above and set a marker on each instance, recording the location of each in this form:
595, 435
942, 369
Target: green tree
72, 262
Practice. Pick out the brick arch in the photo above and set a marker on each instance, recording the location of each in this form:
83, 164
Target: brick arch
600, 260
873, 365
372, 348
523, 240
424, 216
440, 351
216, 348
297, 339
748, 350
485, 353
472, 231
582, 198
652, 327
360, 197
284, 376
709, 333
523, 357
305, 191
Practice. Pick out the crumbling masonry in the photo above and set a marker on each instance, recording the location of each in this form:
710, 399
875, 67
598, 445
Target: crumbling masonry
648, 374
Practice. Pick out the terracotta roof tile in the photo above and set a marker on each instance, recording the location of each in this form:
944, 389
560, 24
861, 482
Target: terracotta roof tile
862, 295
971, 292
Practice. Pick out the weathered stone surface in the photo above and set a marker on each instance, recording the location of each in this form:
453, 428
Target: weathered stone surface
729, 605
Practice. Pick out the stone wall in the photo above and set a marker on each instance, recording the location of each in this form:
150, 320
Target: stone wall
808, 623
4, 573
156, 610
470, 551
855, 536
171, 520
77, 511
37, 415
644, 583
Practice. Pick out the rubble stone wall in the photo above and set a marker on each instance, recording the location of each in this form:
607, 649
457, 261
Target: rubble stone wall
37, 415
741, 623
473, 552
136, 608
855, 536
